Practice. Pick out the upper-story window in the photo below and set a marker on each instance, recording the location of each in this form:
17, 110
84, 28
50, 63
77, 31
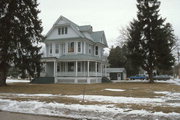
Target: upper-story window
62, 30
79, 46
90, 49
57, 48
50, 48
96, 50
71, 47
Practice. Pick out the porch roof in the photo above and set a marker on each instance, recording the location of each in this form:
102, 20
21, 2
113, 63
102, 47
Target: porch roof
79, 57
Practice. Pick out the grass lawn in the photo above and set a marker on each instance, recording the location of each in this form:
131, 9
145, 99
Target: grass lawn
135, 90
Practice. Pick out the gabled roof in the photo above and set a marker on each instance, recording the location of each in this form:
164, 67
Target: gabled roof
84, 31
98, 36
70, 23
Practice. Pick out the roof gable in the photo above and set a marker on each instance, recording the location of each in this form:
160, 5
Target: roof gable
84, 31
62, 21
99, 37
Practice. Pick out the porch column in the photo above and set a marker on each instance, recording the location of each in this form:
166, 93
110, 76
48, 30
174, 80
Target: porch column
55, 65
96, 68
101, 69
88, 68
76, 68
54, 68
84, 47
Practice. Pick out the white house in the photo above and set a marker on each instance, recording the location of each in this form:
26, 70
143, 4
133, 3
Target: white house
74, 54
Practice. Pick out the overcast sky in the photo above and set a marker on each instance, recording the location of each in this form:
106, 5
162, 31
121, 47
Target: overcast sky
107, 15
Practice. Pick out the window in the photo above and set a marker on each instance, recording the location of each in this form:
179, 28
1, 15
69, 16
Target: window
50, 48
70, 66
79, 67
96, 50
63, 67
71, 47
79, 46
66, 30
90, 49
57, 48
58, 67
62, 30
97, 67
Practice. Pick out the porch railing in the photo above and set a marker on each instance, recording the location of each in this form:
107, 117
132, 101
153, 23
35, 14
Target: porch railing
83, 74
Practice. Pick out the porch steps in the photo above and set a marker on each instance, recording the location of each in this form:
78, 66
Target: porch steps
43, 80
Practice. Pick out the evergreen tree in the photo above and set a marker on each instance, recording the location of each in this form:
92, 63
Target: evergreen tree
116, 57
150, 39
20, 33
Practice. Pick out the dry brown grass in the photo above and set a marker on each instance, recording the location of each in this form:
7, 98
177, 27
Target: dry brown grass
131, 89
165, 109
143, 90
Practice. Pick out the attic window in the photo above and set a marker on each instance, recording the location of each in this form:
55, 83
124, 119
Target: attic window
62, 30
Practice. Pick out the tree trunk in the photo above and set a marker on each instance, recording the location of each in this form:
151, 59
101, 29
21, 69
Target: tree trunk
150, 73
3, 78
3, 74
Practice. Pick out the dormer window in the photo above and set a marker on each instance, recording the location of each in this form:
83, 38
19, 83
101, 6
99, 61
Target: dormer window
62, 30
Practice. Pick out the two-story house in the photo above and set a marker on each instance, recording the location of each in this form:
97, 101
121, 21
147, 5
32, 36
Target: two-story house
74, 54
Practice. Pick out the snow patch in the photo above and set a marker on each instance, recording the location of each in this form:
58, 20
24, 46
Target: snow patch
17, 81
112, 99
94, 112
114, 90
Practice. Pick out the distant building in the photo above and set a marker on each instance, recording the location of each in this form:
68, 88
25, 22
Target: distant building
116, 73
74, 54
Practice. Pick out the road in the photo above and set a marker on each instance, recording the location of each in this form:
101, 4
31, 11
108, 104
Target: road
18, 116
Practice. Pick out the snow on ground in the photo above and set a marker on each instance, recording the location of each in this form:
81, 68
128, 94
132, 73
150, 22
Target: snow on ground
171, 81
167, 100
114, 90
17, 80
96, 112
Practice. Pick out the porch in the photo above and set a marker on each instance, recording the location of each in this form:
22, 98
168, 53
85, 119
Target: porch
79, 68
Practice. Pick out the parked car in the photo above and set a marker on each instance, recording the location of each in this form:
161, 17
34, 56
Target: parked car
139, 76
161, 77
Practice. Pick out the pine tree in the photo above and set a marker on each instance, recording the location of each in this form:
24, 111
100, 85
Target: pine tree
116, 57
150, 39
20, 32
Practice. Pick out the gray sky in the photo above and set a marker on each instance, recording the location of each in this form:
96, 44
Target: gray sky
107, 15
